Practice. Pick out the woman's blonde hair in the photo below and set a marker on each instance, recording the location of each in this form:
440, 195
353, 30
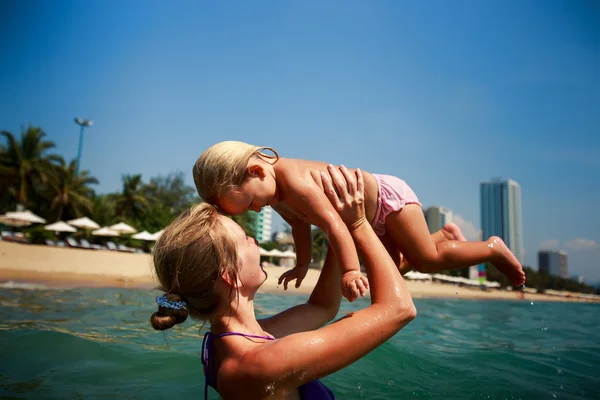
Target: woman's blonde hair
194, 251
223, 167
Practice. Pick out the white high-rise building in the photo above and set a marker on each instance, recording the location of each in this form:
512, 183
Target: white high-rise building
263, 224
501, 214
437, 217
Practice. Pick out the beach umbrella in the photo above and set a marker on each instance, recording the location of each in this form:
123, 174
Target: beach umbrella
263, 252
145, 235
13, 222
84, 223
105, 231
288, 254
275, 253
123, 228
157, 235
60, 226
25, 216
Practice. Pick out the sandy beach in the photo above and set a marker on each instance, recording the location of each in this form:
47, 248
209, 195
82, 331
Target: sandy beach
66, 267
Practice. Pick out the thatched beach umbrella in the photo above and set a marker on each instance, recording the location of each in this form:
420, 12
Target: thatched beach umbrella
60, 226
123, 228
84, 223
24, 216
288, 254
13, 222
105, 231
157, 235
145, 235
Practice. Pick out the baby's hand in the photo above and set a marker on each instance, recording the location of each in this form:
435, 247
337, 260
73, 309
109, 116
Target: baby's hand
298, 273
353, 284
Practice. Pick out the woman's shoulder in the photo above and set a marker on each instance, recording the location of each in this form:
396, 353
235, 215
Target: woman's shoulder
247, 372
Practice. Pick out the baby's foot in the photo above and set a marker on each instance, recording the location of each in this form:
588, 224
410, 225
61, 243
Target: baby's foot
506, 262
454, 232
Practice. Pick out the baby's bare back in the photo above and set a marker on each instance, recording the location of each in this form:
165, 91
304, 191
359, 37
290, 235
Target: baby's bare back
291, 167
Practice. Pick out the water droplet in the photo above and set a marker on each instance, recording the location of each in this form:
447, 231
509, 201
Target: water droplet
553, 395
562, 387
559, 371
545, 328
558, 359
532, 303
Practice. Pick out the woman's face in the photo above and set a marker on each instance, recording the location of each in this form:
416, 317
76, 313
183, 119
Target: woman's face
250, 273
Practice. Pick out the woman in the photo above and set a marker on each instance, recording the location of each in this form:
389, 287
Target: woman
211, 270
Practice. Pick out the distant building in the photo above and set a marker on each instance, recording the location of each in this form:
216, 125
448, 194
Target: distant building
262, 227
437, 217
501, 214
553, 262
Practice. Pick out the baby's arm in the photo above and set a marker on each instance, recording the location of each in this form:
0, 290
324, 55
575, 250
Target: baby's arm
303, 240
302, 236
309, 198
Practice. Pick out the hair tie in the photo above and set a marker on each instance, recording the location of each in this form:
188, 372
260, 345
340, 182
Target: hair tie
163, 301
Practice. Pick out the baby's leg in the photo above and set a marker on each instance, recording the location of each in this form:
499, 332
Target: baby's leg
450, 231
408, 229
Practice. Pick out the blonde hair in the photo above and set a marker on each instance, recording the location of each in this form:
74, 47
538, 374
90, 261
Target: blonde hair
223, 167
190, 256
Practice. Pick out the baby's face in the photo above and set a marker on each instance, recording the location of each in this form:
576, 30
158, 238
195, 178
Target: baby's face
254, 194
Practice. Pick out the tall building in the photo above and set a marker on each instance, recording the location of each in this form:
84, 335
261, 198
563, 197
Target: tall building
553, 262
262, 227
437, 217
501, 214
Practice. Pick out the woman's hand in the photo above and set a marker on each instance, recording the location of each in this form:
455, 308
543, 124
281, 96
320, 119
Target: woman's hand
348, 198
346, 191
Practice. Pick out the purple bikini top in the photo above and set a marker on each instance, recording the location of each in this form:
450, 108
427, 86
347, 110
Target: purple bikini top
314, 390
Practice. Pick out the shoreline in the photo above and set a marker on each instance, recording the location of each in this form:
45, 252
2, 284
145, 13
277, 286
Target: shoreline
65, 268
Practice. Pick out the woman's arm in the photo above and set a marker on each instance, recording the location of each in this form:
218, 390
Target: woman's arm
294, 360
322, 306
307, 197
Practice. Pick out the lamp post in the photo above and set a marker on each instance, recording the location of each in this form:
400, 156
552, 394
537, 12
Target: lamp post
83, 123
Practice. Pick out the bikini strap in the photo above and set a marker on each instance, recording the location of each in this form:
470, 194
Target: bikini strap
206, 356
246, 335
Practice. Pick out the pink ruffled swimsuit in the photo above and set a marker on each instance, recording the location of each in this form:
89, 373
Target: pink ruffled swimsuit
392, 196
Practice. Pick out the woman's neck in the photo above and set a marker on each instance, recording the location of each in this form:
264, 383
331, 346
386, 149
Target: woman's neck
239, 316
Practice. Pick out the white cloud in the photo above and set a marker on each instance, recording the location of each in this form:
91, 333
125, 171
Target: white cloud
467, 228
581, 244
549, 244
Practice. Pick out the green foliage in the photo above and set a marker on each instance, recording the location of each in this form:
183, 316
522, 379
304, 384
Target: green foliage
319, 245
68, 192
541, 282
25, 166
247, 221
48, 186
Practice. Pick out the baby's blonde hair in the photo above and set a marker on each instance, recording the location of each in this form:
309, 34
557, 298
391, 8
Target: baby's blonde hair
194, 251
223, 167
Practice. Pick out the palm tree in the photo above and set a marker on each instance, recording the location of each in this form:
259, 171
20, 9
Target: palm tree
69, 191
131, 202
24, 164
103, 209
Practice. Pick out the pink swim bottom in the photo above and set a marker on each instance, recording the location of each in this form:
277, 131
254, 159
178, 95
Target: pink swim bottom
393, 195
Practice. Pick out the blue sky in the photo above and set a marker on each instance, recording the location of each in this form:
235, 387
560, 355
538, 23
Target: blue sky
444, 95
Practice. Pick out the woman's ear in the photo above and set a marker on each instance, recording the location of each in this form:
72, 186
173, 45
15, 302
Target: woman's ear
229, 280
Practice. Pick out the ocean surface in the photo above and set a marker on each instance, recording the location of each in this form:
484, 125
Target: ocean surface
98, 344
